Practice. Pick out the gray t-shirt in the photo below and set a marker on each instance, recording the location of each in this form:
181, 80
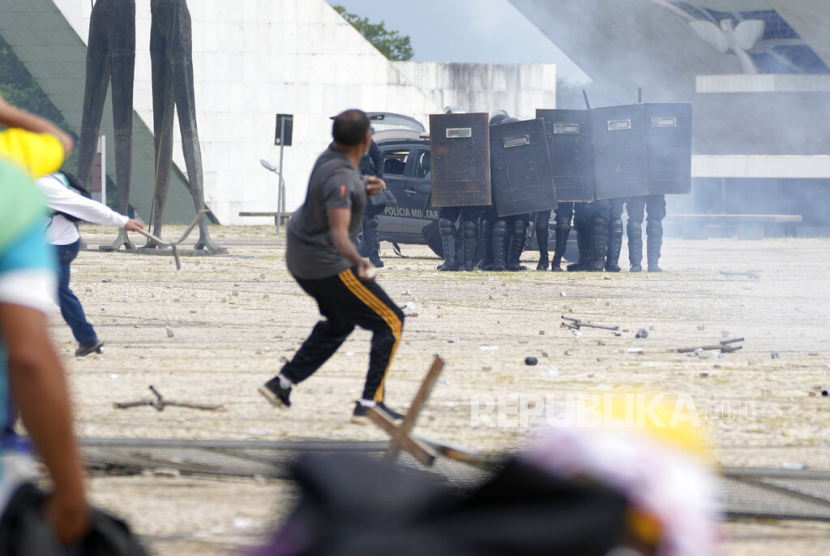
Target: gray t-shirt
334, 183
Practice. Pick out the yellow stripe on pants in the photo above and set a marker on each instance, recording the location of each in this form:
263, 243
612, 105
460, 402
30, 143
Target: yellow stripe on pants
389, 317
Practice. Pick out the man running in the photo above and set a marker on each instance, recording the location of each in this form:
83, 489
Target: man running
321, 257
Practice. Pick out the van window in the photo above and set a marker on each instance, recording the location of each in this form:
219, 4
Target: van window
394, 162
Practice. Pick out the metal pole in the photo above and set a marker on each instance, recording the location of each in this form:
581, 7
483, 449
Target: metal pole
281, 196
103, 140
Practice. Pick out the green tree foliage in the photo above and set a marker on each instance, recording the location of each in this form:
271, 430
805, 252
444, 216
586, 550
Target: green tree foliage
391, 44
20, 89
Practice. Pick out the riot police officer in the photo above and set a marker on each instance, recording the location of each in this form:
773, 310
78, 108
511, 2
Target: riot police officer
509, 233
458, 255
637, 207
372, 165
564, 214
591, 223
615, 235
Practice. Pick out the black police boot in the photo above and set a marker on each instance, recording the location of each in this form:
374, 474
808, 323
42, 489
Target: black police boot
499, 237
486, 245
615, 234
370, 236
469, 253
542, 238
517, 246
448, 244
583, 243
634, 231
600, 244
562, 233
654, 239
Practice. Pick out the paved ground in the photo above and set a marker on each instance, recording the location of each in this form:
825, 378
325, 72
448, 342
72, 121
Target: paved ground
235, 317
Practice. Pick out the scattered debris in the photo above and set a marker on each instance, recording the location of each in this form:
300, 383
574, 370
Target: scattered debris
562, 294
576, 324
545, 354
107, 280
577, 333
488, 348
813, 354
641, 334
541, 333
704, 375
531, 361
567, 353
430, 336
491, 297
169, 331
724, 333
751, 274
792, 466
724, 346
811, 394
551, 372
160, 403
487, 369
635, 350
166, 472
701, 327
453, 340
774, 355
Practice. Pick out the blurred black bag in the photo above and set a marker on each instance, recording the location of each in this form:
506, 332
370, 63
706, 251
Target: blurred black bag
24, 531
352, 506
384, 198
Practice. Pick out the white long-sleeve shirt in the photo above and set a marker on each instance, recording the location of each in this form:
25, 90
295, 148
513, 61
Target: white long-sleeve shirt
59, 230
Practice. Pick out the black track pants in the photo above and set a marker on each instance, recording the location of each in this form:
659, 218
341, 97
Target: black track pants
346, 301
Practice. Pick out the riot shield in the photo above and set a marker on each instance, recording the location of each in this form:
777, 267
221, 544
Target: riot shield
669, 145
571, 153
620, 160
460, 148
520, 168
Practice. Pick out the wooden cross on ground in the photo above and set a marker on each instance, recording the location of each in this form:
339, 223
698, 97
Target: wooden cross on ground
423, 450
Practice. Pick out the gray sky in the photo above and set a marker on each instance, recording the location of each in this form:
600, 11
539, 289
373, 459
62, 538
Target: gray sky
484, 31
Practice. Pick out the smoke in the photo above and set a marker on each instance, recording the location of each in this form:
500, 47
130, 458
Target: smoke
625, 44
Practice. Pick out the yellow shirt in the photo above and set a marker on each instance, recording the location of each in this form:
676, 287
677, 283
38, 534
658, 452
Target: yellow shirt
37, 153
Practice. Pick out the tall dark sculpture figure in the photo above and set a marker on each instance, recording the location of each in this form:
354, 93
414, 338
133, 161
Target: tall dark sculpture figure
110, 56
171, 52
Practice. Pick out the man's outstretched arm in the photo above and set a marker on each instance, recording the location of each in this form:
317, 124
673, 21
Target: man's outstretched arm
39, 388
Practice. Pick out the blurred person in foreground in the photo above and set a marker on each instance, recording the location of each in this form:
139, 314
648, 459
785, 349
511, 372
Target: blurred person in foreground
69, 206
609, 488
31, 376
321, 257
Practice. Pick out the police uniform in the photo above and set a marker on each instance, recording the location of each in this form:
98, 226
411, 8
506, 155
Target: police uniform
637, 207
